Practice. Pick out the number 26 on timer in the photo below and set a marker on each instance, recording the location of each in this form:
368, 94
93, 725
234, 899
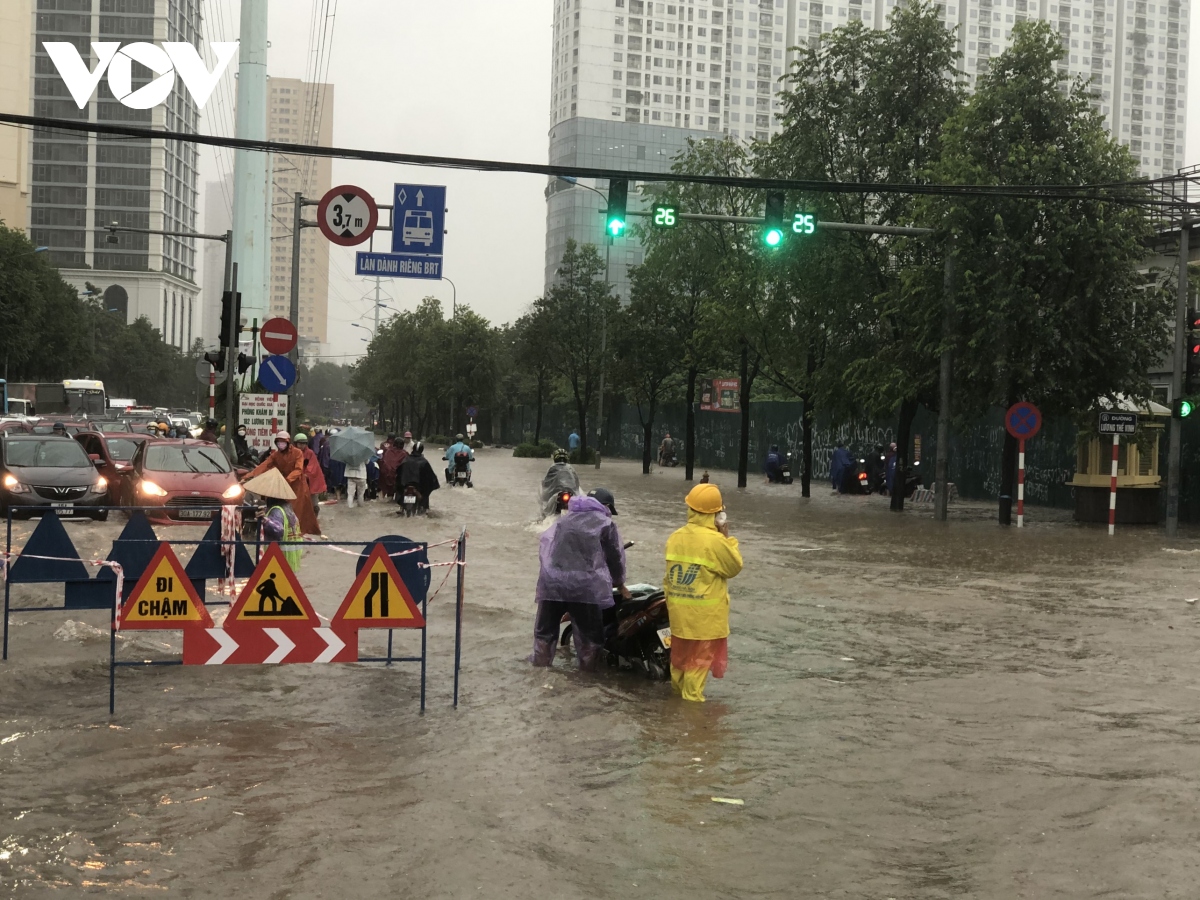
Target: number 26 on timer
804, 223
664, 216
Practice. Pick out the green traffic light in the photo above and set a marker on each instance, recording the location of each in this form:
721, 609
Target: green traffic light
1185, 408
773, 237
615, 227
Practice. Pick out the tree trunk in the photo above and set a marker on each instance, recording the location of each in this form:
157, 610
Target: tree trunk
689, 449
537, 425
1008, 472
806, 430
744, 402
581, 409
647, 428
908, 412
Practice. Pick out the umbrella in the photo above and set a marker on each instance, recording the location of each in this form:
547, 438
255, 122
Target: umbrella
352, 446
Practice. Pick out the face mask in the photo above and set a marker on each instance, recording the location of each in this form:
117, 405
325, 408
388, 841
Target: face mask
241, 432
281, 445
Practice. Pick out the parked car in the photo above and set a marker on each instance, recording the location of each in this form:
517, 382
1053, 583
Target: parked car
14, 426
112, 426
180, 481
112, 454
45, 473
45, 425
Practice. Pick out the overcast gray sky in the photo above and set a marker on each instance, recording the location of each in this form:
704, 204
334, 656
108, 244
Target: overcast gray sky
468, 78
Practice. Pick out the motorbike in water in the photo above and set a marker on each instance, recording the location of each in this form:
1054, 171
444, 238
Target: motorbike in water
785, 474
637, 632
460, 476
411, 501
667, 459
561, 501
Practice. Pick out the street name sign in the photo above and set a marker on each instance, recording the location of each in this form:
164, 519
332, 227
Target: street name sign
1118, 423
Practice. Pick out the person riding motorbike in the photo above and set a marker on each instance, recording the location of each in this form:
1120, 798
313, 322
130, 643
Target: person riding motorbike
773, 465
666, 451
289, 460
209, 433
416, 471
241, 447
560, 477
453, 450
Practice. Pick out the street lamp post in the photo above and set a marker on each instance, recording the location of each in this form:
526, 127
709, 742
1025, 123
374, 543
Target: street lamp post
453, 356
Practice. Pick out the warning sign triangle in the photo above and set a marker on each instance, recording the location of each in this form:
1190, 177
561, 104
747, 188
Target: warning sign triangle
164, 597
272, 596
379, 598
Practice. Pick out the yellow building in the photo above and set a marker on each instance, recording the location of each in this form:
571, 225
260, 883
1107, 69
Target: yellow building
16, 37
300, 113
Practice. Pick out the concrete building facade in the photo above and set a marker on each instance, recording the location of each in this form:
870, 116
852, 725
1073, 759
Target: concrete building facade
16, 18
81, 183
631, 80
300, 113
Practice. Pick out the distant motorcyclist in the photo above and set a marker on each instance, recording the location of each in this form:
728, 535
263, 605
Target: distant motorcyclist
209, 433
559, 477
453, 450
773, 465
417, 472
241, 447
666, 451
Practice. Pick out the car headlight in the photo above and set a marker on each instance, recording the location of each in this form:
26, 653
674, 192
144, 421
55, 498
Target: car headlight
100, 486
13, 484
150, 489
234, 492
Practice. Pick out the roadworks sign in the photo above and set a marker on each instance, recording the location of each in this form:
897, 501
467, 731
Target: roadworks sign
273, 595
379, 598
164, 597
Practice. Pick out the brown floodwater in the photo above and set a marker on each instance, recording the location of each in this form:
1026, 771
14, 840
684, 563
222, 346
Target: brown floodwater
912, 710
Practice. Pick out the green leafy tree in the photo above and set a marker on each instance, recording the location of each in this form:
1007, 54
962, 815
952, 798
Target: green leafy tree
577, 309
1051, 306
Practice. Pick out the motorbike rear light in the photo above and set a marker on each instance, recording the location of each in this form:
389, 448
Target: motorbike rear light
150, 489
862, 476
564, 497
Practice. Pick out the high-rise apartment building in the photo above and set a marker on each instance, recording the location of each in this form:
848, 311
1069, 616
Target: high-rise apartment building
300, 113
81, 183
631, 80
218, 219
16, 18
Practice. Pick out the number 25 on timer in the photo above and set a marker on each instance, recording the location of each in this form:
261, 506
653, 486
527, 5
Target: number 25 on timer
664, 216
804, 223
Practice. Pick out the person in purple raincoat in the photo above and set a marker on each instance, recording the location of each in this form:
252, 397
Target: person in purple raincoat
582, 559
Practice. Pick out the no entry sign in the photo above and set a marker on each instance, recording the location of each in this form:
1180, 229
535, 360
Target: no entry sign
279, 336
347, 215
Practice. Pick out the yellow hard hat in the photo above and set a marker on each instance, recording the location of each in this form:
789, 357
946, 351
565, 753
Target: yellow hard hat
705, 498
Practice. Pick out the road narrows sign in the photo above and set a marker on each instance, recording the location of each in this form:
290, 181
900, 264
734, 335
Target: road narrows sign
164, 597
379, 598
347, 215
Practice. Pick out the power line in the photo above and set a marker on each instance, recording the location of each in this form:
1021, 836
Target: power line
1130, 193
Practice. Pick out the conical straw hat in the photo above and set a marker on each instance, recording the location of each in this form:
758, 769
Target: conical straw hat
270, 484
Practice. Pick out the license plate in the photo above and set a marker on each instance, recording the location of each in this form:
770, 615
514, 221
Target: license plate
194, 513
63, 509
664, 637
410, 500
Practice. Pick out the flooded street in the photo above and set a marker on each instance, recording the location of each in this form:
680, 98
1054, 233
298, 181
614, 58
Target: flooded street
911, 711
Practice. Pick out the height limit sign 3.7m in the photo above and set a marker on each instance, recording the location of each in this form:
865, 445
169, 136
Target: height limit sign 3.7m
418, 235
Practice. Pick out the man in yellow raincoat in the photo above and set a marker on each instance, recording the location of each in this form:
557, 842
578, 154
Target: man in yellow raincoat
701, 556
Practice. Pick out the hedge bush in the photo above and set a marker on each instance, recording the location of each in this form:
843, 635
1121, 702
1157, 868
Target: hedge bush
540, 450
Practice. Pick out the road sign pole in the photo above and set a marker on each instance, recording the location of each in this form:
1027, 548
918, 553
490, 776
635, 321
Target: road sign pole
1112, 490
231, 368
1021, 483
1177, 387
212, 393
294, 307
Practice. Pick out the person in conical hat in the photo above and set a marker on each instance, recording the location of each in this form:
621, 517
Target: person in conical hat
280, 525
701, 557
289, 461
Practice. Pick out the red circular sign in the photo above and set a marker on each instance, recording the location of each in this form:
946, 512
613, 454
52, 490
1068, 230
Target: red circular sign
347, 215
278, 336
1023, 420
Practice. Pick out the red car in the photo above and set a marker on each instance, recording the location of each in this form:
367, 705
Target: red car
180, 481
112, 455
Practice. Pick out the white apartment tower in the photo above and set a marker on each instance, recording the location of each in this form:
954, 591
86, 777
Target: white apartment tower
632, 79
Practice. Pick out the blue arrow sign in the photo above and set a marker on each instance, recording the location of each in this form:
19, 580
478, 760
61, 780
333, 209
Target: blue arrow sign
276, 374
397, 265
419, 219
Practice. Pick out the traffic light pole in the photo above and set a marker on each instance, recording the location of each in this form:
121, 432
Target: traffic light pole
1179, 361
231, 354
